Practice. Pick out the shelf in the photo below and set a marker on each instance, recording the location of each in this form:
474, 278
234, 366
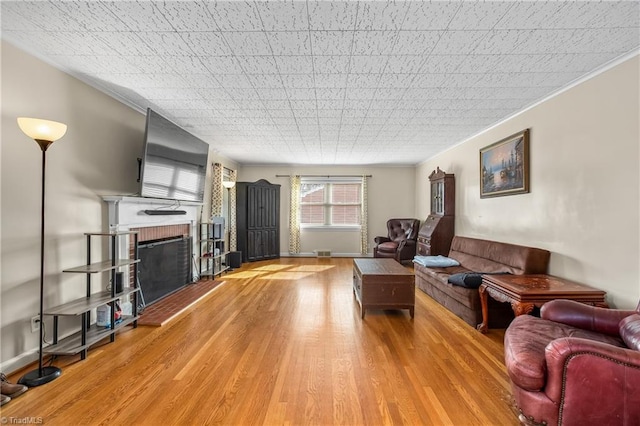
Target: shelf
80, 306
101, 266
73, 344
217, 256
111, 233
213, 272
213, 259
211, 240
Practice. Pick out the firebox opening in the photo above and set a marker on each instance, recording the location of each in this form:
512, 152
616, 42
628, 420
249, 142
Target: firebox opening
165, 267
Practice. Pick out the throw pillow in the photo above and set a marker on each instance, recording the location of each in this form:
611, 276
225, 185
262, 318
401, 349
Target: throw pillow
435, 261
466, 279
630, 331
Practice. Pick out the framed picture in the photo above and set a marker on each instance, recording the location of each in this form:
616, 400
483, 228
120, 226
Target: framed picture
504, 166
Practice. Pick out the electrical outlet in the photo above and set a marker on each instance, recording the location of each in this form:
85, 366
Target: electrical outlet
35, 323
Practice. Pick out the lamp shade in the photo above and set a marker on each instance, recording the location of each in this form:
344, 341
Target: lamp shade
39, 129
228, 184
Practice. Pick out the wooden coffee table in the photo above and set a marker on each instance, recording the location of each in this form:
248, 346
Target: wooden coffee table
383, 284
526, 291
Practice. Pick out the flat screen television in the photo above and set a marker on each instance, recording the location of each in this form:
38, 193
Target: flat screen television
174, 164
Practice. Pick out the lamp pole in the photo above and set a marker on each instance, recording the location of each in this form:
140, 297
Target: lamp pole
44, 162
228, 184
44, 132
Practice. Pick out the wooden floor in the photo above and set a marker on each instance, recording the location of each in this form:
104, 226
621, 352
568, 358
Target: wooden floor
282, 342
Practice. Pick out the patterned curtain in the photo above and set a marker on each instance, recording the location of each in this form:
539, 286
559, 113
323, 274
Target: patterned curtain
294, 215
364, 233
233, 233
216, 191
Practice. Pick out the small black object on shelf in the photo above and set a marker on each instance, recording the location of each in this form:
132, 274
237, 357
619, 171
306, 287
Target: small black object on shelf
164, 212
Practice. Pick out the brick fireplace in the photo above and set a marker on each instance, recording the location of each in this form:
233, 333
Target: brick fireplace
132, 214
161, 232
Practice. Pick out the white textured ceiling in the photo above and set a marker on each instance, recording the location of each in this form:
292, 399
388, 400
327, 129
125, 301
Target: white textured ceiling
320, 82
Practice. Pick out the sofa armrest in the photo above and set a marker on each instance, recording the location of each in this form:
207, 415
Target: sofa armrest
591, 361
583, 316
380, 240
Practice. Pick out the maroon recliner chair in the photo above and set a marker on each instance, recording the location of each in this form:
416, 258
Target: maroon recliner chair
400, 243
576, 365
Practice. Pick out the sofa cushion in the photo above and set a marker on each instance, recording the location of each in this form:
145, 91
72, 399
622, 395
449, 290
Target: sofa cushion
389, 246
630, 331
462, 295
524, 345
466, 279
440, 274
463, 302
490, 256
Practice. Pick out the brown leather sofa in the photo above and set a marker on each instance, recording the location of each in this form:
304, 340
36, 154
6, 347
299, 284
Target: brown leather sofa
484, 256
576, 365
401, 240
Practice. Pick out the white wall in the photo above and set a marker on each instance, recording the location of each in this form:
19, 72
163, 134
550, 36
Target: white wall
583, 205
584, 200
391, 194
96, 157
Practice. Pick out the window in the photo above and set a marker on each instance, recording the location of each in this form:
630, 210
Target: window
330, 203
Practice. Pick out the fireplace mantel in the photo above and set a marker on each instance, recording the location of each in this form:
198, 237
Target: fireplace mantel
127, 212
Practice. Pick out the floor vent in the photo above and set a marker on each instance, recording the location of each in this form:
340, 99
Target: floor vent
323, 253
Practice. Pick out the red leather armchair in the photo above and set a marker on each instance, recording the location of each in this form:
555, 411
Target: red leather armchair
576, 365
400, 243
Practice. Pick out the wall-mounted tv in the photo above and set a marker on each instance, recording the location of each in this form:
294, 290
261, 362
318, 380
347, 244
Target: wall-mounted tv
174, 165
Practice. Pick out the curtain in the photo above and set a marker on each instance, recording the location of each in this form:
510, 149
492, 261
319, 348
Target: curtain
294, 215
233, 233
364, 233
216, 191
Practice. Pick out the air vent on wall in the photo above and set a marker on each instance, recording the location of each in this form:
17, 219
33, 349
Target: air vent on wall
323, 253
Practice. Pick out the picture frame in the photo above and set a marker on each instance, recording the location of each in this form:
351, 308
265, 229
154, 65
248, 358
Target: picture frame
504, 166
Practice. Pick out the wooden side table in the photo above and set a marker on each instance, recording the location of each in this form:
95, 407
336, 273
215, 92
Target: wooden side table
524, 292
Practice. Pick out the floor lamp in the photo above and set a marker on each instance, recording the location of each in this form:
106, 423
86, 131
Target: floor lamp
44, 132
228, 184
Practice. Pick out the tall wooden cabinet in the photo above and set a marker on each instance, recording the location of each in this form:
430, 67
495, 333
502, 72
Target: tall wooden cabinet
437, 230
258, 220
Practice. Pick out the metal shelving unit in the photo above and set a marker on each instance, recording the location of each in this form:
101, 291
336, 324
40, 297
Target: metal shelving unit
88, 335
213, 259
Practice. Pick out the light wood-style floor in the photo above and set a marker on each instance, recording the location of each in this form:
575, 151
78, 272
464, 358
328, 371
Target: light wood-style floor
282, 342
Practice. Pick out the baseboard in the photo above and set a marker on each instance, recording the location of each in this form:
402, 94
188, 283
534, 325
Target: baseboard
14, 364
21, 361
312, 254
